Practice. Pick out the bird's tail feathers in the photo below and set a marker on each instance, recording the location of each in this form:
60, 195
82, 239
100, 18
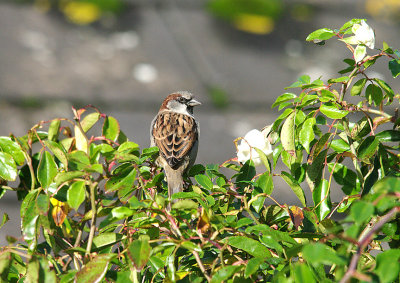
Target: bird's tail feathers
175, 181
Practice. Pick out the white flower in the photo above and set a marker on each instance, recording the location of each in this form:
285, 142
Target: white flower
364, 34
253, 139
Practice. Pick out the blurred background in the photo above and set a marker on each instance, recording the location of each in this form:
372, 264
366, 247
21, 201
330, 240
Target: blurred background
125, 56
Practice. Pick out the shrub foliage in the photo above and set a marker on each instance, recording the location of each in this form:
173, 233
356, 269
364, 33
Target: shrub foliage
94, 208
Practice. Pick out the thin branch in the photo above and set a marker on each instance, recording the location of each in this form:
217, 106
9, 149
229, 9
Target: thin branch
364, 240
201, 266
93, 221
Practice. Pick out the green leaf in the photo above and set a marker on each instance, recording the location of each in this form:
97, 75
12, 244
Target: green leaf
394, 67
252, 266
225, 273
349, 24
11, 147
4, 221
388, 90
295, 186
264, 184
344, 176
196, 169
42, 204
8, 168
58, 152
362, 211
268, 231
5, 261
374, 94
314, 171
304, 80
339, 145
326, 95
128, 147
306, 135
283, 98
387, 265
321, 197
54, 130
387, 184
339, 80
29, 215
155, 263
287, 134
302, 273
331, 110
111, 128
76, 194
361, 128
204, 181
368, 147
281, 117
264, 158
321, 34
47, 170
185, 204
78, 160
388, 136
67, 176
358, 87
67, 277
271, 243
246, 174
319, 253
139, 252
249, 245
124, 179
95, 270
121, 212
88, 122
106, 239
189, 245
147, 152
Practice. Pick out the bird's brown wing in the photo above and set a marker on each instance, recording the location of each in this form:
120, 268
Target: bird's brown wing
174, 134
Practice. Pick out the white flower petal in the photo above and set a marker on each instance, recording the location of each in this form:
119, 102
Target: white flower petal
364, 34
253, 139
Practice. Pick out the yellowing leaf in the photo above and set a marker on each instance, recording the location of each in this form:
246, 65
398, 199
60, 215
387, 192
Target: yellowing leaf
59, 212
81, 141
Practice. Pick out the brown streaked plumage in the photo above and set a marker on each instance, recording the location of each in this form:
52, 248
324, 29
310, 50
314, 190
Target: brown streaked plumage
175, 135
175, 132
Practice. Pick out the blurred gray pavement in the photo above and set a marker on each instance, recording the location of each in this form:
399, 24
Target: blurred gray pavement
127, 66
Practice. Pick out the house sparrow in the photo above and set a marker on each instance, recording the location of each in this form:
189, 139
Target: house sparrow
175, 132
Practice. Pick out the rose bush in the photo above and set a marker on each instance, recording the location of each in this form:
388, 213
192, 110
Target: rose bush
94, 204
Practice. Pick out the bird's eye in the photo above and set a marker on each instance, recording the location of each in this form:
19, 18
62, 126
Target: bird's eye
181, 99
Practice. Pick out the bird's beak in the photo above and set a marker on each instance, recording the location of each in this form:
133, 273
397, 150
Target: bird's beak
193, 102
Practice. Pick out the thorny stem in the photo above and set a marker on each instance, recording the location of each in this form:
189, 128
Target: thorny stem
364, 240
